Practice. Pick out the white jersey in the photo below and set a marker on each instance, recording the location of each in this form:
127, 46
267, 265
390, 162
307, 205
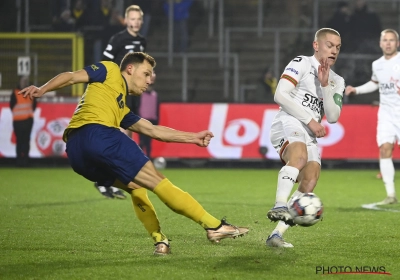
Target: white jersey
303, 73
386, 72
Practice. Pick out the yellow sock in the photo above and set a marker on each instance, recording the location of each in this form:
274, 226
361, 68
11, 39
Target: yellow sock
146, 213
183, 203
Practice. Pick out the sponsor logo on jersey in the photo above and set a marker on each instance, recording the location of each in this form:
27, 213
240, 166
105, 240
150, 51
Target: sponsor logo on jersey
390, 88
312, 102
292, 70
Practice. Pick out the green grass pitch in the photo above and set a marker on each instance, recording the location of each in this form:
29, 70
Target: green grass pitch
55, 225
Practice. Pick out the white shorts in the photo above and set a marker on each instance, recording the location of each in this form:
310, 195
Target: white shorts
286, 129
388, 130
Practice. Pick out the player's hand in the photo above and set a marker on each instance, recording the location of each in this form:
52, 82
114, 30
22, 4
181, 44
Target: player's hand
323, 72
204, 138
349, 90
32, 92
317, 128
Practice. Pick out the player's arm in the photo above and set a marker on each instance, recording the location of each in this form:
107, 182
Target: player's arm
289, 106
59, 81
282, 97
333, 101
368, 87
332, 94
166, 134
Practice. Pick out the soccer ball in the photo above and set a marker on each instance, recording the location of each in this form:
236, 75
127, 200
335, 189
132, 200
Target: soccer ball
160, 163
306, 209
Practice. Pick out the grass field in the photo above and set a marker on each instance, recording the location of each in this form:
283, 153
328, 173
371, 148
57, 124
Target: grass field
54, 225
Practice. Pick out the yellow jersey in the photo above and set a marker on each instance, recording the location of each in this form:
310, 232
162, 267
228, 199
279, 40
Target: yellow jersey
104, 99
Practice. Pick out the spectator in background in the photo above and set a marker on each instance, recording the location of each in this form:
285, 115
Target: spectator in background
340, 21
149, 109
65, 23
181, 10
59, 16
80, 13
22, 111
269, 82
108, 21
265, 88
146, 6
365, 28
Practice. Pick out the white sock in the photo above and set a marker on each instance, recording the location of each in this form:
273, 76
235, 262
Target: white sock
280, 228
286, 179
387, 170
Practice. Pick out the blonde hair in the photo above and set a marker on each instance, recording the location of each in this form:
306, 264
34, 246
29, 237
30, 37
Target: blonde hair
324, 31
390, 31
133, 8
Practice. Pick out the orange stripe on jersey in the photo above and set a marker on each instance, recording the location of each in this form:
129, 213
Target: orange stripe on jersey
290, 79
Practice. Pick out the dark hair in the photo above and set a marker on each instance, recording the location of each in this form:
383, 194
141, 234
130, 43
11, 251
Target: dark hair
136, 58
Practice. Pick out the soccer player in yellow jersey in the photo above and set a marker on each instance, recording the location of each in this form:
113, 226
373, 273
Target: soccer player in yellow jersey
100, 152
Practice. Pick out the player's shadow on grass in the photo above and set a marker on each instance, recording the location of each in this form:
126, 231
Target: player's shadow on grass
60, 203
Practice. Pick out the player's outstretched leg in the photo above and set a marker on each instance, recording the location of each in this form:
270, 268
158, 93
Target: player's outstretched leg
183, 203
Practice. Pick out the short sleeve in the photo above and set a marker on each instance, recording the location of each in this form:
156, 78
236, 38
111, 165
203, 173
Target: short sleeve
129, 119
97, 72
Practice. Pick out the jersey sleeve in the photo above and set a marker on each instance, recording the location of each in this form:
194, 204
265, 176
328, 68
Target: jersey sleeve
97, 72
129, 119
111, 49
296, 69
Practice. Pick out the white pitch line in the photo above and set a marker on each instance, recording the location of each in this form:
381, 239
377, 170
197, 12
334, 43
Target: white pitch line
373, 206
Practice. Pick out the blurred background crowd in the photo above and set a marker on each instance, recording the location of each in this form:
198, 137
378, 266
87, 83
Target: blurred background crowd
234, 51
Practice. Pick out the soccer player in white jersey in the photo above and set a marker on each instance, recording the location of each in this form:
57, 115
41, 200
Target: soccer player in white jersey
386, 78
307, 91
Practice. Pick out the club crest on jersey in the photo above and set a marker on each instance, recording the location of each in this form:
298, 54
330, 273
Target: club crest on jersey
295, 134
396, 68
332, 84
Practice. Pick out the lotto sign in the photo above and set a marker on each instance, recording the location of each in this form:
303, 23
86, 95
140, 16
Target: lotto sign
239, 131
24, 66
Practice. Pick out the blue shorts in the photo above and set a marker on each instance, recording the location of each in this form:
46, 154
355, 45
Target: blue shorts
103, 154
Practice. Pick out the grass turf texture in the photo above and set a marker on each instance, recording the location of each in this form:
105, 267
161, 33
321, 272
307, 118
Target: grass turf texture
55, 225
